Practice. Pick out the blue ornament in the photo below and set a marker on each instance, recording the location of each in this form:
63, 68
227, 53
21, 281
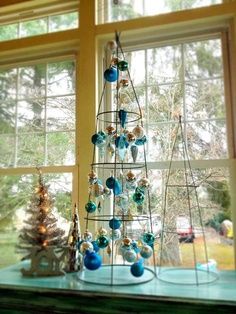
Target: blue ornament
137, 269
90, 207
148, 238
102, 241
135, 247
111, 74
114, 223
92, 260
114, 184
141, 141
103, 134
97, 139
138, 197
122, 117
121, 142
95, 246
123, 65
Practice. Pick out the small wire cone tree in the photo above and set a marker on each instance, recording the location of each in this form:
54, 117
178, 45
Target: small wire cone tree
41, 228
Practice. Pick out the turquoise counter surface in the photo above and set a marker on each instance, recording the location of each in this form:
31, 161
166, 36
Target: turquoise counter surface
66, 293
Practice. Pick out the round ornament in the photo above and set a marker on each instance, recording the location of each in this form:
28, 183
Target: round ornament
137, 269
146, 251
124, 83
115, 223
95, 246
97, 139
111, 45
85, 246
90, 207
92, 177
106, 191
130, 256
130, 177
122, 201
143, 183
88, 235
115, 234
102, 241
138, 132
127, 241
114, 184
122, 65
110, 130
97, 190
102, 231
130, 137
111, 74
138, 197
92, 260
148, 238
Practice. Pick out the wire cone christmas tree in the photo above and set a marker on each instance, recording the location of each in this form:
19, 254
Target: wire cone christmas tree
41, 230
118, 202
181, 215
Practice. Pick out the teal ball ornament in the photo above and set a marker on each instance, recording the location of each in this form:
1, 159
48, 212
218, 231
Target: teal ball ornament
92, 260
114, 184
111, 74
146, 251
123, 65
138, 197
95, 246
137, 269
97, 139
110, 182
102, 241
90, 207
115, 223
148, 238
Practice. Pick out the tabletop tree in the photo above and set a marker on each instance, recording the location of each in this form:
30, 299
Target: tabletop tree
40, 231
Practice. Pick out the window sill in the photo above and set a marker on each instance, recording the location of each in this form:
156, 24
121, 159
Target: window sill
65, 293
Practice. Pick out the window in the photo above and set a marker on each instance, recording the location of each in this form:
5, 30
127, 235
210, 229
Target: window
186, 79
48, 24
120, 10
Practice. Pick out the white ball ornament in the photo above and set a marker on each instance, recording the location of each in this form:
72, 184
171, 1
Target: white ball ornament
130, 256
85, 246
115, 234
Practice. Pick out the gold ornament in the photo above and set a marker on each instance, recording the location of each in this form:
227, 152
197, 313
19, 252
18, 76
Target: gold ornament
110, 129
102, 231
138, 131
127, 241
130, 177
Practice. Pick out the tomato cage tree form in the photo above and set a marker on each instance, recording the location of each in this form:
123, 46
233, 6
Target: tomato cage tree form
181, 223
121, 249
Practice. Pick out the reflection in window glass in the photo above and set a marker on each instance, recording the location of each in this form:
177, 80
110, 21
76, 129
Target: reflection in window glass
15, 195
63, 22
120, 10
34, 27
38, 116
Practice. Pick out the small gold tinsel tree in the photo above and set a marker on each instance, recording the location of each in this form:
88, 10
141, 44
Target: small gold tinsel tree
40, 230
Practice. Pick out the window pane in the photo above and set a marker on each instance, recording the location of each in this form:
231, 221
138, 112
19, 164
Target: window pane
61, 148
116, 10
207, 140
7, 150
32, 81
203, 59
15, 195
61, 78
205, 100
165, 102
63, 22
8, 32
164, 65
31, 115
34, 27
31, 149
61, 113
